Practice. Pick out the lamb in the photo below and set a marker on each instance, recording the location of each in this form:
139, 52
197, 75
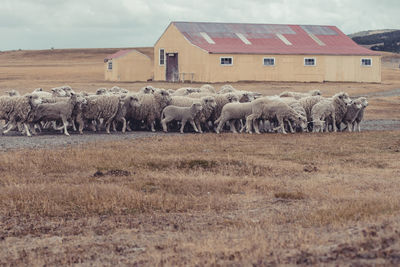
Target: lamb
55, 111
151, 106
320, 113
221, 100
273, 109
360, 115
20, 110
352, 113
182, 114
298, 95
231, 112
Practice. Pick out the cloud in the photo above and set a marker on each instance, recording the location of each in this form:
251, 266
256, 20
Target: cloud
42, 24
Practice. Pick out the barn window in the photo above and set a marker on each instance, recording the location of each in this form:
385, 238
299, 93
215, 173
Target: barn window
227, 61
366, 62
110, 65
269, 61
310, 62
162, 57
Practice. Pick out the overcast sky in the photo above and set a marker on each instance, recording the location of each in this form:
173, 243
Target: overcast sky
42, 24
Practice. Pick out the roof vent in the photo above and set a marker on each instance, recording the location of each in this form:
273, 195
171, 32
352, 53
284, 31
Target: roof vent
243, 38
283, 39
207, 38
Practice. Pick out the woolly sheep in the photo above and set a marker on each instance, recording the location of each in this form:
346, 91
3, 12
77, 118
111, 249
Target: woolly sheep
298, 95
55, 111
118, 90
126, 102
22, 106
182, 114
231, 112
151, 106
340, 101
270, 109
147, 90
221, 100
352, 113
227, 88
185, 91
207, 88
360, 115
320, 113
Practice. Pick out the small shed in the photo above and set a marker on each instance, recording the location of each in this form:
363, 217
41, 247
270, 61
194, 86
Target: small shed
129, 65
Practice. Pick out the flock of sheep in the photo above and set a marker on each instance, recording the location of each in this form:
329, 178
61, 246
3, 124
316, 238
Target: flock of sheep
204, 108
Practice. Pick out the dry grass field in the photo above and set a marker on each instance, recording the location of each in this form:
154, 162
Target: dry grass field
237, 200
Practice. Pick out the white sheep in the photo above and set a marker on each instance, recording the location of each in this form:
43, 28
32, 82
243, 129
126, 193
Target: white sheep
182, 114
22, 106
232, 112
273, 109
298, 95
13, 92
360, 116
321, 112
227, 88
352, 113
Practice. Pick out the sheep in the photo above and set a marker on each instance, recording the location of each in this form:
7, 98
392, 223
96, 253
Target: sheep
185, 91
55, 111
22, 106
6, 107
101, 91
341, 101
298, 95
151, 106
208, 103
231, 112
207, 88
182, 114
351, 114
320, 114
118, 90
360, 115
126, 102
227, 88
221, 100
42, 94
270, 109
13, 92
147, 90
308, 102
295, 104
100, 107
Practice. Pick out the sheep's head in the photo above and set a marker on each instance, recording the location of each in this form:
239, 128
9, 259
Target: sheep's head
34, 100
344, 97
302, 122
58, 92
148, 89
133, 100
197, 106
13, 93
209, 101
165, 95
192, 90
315, 92
38, 90
80, 98
364, 101
318, 125
101, 91
232, 97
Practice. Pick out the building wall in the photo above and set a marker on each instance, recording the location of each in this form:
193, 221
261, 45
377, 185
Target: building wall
133, 66
247, 67
191, 59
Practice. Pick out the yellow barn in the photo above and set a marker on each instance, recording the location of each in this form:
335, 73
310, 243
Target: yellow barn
129, 65
230, 52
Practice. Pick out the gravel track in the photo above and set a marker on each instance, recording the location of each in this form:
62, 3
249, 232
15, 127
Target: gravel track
15, 140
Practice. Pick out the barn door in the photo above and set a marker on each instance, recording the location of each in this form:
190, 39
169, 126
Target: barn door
172, 71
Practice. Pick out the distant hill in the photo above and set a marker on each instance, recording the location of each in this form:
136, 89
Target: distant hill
379, 40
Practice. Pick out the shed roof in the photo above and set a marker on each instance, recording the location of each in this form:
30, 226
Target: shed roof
244, 38
148, 51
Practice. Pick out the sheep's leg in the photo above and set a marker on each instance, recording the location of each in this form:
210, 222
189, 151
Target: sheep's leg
123, 125
256, 125
290, 126
27, 130
194, 126
73, 125
249, 123
220, 125
359, 127
232, 126
65, 123
349, 126
10, 126
152, 126
164, 124
108, 124
183, 122
114, 126
198, 124
281, 125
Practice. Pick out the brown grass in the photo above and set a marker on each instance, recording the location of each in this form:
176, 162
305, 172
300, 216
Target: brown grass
323, 199
204, 199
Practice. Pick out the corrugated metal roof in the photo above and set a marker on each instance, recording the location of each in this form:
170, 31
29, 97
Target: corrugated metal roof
118, 54
270, 39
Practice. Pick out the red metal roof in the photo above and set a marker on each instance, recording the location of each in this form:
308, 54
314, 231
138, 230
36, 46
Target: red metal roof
227, 38
120, 53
